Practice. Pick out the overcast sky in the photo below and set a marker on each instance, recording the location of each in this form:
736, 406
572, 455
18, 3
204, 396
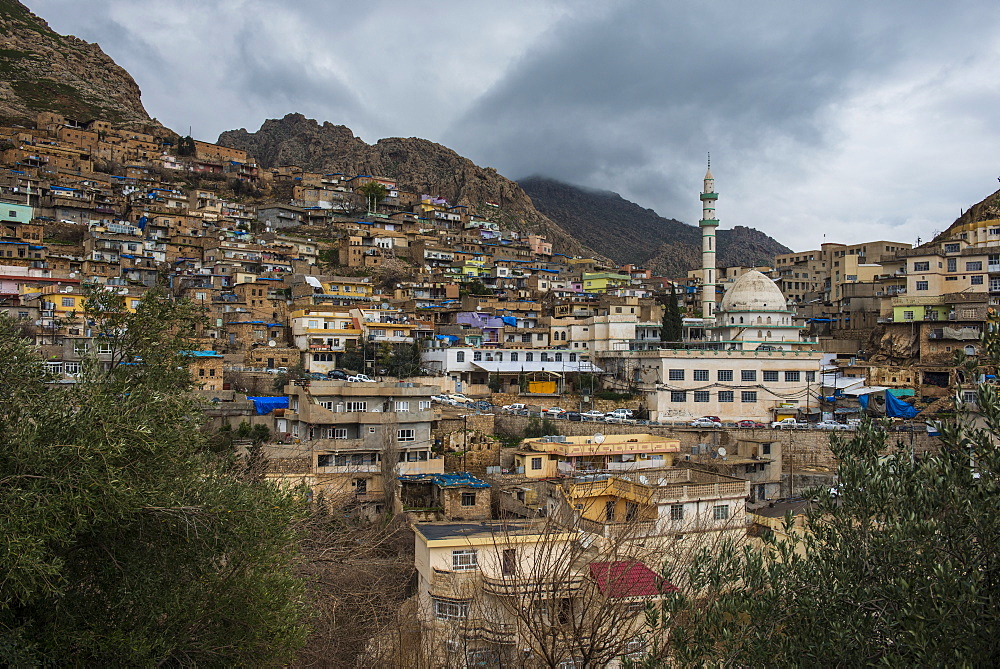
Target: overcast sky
860, 120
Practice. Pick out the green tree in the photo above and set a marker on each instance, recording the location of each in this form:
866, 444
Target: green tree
185, 146
126, 540
671, 329
898, 565
374, 193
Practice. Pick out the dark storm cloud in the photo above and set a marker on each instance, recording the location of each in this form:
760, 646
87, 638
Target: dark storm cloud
625, 99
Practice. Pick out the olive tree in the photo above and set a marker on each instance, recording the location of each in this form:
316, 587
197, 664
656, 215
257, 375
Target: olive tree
126, 539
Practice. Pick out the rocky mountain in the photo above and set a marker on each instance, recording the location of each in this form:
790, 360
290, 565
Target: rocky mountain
41, 70
418, 165
628, 233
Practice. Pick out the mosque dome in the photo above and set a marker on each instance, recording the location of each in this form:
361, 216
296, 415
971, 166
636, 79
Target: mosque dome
753, 292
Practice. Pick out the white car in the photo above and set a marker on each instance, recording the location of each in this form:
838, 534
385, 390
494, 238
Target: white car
555, 411
512, 408
787, 424
704, 422
619, 413
831, 425
360, 378
593, 414
459, 398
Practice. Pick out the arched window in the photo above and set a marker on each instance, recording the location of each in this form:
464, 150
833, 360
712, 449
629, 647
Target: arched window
741, 320
759, 334
970, 350
768, 320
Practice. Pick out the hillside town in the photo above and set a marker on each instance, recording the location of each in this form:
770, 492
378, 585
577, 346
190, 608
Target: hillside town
551, 425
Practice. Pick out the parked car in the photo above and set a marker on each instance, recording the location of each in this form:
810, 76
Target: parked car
749, 423
483, 405
459, 398
619, 413
337, 374
360, 378
593, 414
442, 399
555, 411
573, 415
705, 422
831, 425
787, 424
513, 408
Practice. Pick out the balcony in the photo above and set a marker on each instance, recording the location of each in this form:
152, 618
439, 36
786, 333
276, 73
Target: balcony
542, 585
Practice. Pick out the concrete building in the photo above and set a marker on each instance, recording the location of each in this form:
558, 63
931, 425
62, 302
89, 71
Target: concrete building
547, 457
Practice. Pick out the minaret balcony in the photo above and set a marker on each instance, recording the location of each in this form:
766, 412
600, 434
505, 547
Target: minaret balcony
709, 196
708, 222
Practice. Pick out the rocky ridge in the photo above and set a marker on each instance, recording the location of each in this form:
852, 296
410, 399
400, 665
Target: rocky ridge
41, 70
418, 165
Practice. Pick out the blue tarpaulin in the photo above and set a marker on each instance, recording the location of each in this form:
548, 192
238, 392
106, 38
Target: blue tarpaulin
265, 405
509, 320
897, 408
863, 401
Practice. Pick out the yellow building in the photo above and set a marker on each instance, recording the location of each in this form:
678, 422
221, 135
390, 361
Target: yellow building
553, 456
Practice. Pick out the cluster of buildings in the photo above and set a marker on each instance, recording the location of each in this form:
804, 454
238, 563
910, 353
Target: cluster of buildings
572, 530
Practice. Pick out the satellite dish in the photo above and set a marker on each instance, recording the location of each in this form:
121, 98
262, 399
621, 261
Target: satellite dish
722, 451
272, 343
598, 438
643, 480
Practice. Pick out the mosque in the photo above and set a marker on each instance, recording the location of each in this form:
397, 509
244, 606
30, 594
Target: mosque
754, 361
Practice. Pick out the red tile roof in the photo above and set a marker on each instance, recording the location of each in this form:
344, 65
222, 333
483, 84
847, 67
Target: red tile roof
628, 579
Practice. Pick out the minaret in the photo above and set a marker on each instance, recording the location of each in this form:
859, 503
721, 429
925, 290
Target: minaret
708, 225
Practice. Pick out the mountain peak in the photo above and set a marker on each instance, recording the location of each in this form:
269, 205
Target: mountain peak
44, 71
641, 236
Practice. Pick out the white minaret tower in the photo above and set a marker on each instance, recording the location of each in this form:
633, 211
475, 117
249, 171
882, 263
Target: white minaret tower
708, 225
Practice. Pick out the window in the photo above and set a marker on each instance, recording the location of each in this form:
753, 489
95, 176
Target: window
466, 559
468, 499
792, 377
477, 356
558, 357
748, 375
921, 285
529, 357
725, 395
977, 280
356, 406
811, 377
536, 463
402, 406
907, 315
748, 396
676, 512
675, 375
406, 435
976, 266
765, 449
450, 610
921, 267
700, 375
701, 396
460, 356
678, 396
770, 377
725, 375
951, 248
952, 264
424, 404
371, 429
104, 348
720, 512
68, 302
526, 338
514, 356
336, 433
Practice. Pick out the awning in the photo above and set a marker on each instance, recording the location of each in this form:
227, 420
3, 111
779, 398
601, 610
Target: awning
865, 390
516, 366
